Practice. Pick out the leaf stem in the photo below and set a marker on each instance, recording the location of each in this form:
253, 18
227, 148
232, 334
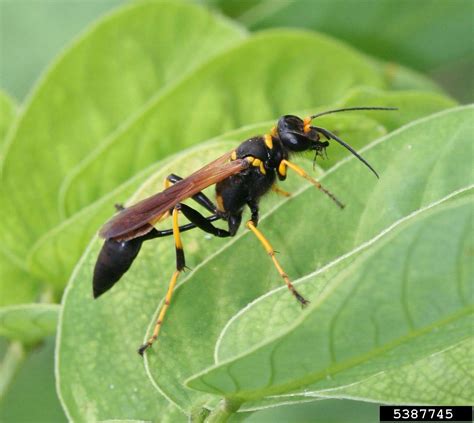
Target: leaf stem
10, 365
223, 411
199, 415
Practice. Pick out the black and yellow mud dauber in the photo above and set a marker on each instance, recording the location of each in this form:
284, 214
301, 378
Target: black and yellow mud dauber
242, 176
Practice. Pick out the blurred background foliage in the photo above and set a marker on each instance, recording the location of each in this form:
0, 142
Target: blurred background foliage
425, 35
428, 36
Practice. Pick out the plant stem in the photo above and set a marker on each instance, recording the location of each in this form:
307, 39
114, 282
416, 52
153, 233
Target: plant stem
11, 363
199, 415
223, 411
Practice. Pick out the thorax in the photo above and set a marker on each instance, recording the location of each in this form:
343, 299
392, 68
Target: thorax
265, 153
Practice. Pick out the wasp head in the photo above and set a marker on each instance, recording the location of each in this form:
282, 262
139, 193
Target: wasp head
298, 135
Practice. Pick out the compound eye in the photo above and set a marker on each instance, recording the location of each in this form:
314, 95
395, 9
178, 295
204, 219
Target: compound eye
290, 123
294, 141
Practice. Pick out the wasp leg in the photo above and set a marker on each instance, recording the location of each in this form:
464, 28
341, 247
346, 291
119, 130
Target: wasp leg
180, 265
155, 233
285, 163
279, 191
271, 252
199, 198
254, 210
202, 223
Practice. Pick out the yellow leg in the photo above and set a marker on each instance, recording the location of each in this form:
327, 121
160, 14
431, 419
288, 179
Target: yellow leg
271, 252
316, 183
180, 264
279, 191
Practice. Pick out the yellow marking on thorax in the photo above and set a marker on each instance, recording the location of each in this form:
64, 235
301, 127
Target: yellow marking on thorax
268, 141
258, 163
220, 203
274, 132
282, 168
233, 156
307, 125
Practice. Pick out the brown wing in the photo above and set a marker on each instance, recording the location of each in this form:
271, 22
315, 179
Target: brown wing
135, 220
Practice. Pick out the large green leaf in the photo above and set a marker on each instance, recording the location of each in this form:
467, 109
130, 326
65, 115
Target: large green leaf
330, 411
423, 34
17, 285
398, 77
411, 105
431, 154
442, 378
105, 79
356, 327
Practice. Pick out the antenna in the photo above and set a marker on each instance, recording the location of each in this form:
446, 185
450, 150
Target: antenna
347, 109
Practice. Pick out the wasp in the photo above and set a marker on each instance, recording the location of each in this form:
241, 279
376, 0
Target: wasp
241, 177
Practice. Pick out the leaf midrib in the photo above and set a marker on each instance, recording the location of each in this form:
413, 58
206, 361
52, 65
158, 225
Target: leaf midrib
344, 365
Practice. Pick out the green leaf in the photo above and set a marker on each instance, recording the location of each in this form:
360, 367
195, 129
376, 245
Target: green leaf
431, 153
329, 411
401, 31
17, 285
28, 323
7, 114
355, 328
85, 98
442, 378
399, 77
411, 105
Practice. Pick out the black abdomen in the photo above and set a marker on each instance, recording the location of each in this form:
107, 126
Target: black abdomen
115, 258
